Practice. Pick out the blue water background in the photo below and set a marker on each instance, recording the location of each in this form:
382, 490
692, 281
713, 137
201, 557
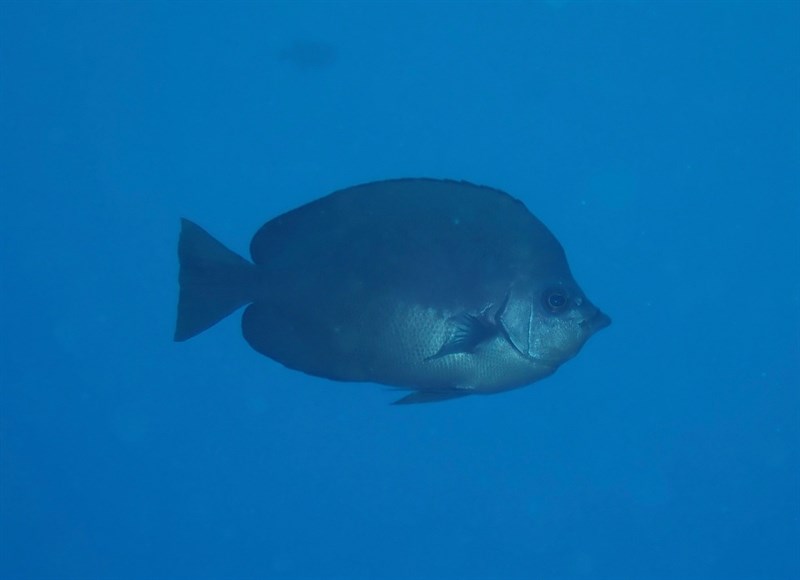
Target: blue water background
658, 141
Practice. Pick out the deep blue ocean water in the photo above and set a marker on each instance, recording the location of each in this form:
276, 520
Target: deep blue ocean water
659, 141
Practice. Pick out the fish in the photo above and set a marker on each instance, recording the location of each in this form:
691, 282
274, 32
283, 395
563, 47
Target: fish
440, 288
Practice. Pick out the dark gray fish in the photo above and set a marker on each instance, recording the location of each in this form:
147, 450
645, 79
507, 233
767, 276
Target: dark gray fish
441, 287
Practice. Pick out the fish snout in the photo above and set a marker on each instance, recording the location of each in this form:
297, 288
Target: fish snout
596, 320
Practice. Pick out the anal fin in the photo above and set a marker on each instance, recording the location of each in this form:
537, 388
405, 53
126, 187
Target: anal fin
430, 397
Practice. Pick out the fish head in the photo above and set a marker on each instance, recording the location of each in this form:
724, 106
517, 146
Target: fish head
547, 321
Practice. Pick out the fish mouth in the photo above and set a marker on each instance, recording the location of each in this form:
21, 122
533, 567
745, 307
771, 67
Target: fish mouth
598, 321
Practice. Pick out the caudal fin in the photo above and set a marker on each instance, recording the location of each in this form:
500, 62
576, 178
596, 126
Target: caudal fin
214, 281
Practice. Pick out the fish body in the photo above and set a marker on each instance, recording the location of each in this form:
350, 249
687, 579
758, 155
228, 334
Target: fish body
440, 287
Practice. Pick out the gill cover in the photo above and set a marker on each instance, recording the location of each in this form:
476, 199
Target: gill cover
516, 318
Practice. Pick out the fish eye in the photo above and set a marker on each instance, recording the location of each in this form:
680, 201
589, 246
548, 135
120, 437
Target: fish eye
555, 300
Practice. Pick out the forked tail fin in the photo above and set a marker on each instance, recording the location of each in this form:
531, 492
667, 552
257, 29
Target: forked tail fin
214, 281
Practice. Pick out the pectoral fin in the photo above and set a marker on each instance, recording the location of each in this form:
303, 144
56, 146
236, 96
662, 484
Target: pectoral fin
471, 330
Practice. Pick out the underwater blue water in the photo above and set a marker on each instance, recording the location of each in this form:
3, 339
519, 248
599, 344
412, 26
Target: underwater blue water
659, 141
